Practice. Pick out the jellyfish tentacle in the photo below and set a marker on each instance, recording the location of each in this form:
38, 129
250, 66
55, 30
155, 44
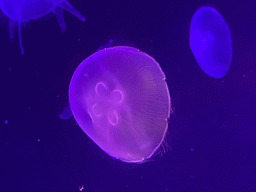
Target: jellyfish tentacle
20, 40
60, 18
65, 5
107, 45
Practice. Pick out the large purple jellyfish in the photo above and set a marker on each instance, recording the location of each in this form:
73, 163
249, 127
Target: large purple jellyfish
210, 42
19, 11
120, 99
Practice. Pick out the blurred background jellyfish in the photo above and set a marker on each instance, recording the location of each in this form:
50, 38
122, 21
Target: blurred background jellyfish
19, 11
210, 42
120, 99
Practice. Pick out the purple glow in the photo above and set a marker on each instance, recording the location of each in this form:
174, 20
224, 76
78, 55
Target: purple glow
120, 99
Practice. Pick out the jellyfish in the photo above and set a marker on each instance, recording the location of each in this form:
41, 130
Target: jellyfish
210, 42
120, 99
19, 11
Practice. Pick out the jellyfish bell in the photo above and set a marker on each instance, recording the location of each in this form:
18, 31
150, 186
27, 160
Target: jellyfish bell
120, 99
210, 42
67, 113
19, 11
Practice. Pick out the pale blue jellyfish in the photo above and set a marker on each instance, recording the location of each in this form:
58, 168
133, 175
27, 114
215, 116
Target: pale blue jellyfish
19, 11
120, 99
210, 42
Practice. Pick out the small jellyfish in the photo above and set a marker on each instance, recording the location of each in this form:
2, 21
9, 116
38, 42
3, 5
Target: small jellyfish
210, 42
120, 99
19, 11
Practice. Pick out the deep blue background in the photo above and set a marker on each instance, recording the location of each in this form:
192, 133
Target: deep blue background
212, 132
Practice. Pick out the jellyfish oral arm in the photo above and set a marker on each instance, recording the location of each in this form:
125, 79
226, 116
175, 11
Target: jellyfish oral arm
58, 11
65, 5
11, 33
20, 41
60, 18
25, 10
67, 113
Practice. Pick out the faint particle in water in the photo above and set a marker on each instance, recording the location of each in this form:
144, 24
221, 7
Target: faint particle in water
6, 121
210, 42
120, 99
19, 11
